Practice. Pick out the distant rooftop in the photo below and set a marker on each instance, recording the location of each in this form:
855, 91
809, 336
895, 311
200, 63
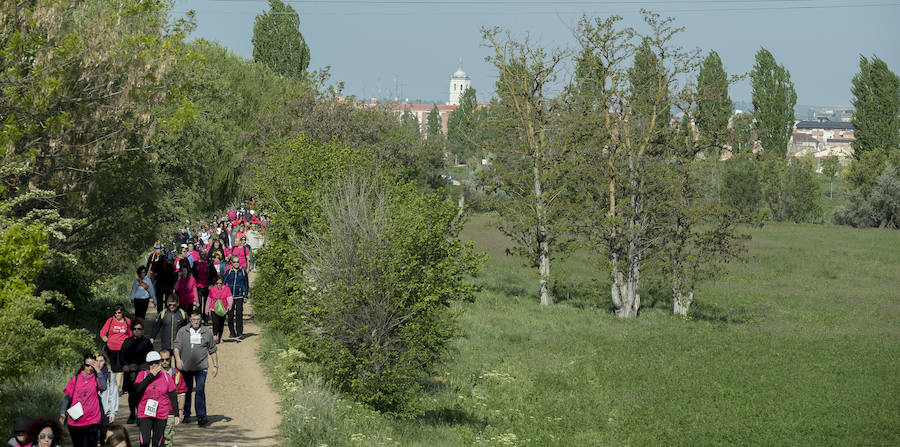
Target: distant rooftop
825, 124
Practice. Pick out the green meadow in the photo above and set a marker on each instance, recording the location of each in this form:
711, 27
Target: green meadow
800, 345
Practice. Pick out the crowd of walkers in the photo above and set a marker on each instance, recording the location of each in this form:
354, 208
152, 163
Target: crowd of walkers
199, 278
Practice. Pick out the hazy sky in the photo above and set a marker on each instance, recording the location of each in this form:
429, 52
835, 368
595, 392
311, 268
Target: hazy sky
409, 48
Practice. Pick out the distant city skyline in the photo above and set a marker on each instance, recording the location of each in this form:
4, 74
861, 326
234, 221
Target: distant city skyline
409, 48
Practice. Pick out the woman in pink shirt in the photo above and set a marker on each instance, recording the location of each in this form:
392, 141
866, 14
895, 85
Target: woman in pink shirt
158, 401
218, 293
114, 332
192, 250
80, 408
186, 289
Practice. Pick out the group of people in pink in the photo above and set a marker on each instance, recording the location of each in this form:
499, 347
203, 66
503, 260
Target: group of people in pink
161, 363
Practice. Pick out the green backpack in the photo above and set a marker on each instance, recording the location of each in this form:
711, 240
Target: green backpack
219, 309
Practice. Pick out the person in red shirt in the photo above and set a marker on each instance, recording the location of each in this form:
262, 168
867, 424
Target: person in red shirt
186, 288
114, 332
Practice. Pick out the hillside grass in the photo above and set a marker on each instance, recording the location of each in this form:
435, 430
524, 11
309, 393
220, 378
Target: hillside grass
798, 346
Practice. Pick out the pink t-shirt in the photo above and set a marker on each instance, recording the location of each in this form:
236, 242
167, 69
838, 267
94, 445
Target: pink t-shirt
84, 388
185, 289
217, 294
202, 278
157, 390
241, 252
117, 331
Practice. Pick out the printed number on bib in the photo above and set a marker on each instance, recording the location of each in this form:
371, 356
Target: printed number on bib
150, 408
195, 339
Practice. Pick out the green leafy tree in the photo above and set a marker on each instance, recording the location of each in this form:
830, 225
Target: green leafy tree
86, 86
410, 123
621, 187
435, 124
742, 186
774, 99
876, 100
713, 105
26, 343
277, 41
742, 135
831, 166
463, 127
528, 167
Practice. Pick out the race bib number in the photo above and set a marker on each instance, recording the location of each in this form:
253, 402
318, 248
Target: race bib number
195, 339
150, 408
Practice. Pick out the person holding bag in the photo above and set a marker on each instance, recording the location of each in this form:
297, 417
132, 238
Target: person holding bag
218, 305
81, 410
158, 400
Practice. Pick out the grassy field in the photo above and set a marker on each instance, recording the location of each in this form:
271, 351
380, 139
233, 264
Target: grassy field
798, 346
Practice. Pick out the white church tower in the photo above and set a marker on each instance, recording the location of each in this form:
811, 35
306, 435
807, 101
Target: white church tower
459, 82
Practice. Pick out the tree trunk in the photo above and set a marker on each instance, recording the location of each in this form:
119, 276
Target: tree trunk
681, 303
543, 245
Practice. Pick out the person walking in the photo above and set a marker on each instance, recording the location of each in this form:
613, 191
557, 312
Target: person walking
142, 292
186, 288
134, 351
195, 349
180, 392
158, 399
114, 332
80, 409
202, 279
165, 281
219, 293
109, 398
237, 280
167, 324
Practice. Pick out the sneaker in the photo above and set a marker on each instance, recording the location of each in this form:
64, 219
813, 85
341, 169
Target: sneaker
131, 420
202, 421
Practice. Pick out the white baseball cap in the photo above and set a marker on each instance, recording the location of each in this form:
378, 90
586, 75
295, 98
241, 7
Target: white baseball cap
153, 356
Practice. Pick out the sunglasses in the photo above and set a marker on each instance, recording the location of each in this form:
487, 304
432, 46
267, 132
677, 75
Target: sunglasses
137, 329
172, 304
45, 437
164, 359
89, 366
117, 312
155, 362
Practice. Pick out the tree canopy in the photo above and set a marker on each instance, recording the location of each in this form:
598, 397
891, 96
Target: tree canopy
774, 99
278, 42
876, 100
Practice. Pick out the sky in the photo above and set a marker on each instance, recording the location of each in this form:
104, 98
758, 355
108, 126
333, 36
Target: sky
408, 49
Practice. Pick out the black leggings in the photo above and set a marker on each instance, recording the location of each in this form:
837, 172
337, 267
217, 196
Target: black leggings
87, 436
140, 308
236, 317
218, 324
152, 429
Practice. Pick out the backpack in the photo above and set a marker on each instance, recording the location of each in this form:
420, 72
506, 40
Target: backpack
162, 315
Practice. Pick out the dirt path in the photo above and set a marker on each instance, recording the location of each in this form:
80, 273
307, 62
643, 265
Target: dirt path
242, 408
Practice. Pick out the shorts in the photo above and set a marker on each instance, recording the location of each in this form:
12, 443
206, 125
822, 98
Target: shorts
114, 358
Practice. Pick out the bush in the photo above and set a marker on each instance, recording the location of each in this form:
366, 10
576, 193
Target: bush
360, 271
741, 185
792, 191
880, 209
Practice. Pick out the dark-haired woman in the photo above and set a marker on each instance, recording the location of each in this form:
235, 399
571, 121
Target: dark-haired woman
116, 436
202, 279
115, 331
44, 433
80, 408
134, 350
215, 247
109, 398
142, 292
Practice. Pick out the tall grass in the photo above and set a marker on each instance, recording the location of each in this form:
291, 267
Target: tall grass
798, 346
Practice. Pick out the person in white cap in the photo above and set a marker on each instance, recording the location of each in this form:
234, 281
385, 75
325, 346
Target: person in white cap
158, 400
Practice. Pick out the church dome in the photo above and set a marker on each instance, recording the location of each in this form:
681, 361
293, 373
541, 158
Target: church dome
460, 74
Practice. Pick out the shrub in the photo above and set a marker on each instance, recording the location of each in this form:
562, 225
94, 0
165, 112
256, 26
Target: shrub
741, 185
881, 208
360, 270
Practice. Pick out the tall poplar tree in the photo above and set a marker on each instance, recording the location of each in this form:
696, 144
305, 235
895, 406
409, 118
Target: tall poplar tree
774, 99
277, 41
435, 126
876, 98
462, 126
713, 105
